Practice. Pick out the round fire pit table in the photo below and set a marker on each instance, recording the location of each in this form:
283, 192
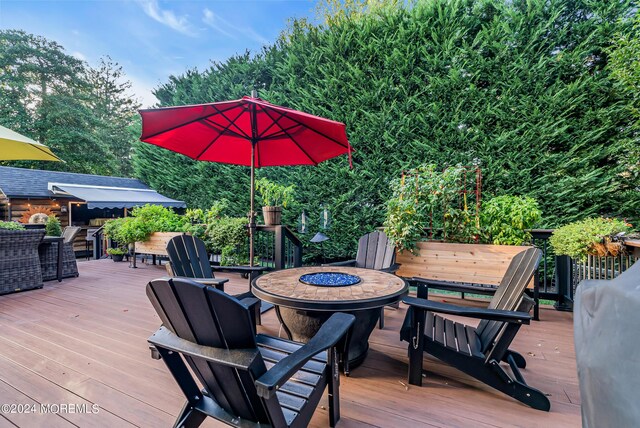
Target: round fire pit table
306, 297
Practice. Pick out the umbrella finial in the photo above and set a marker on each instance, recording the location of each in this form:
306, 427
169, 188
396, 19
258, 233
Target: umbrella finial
254, 93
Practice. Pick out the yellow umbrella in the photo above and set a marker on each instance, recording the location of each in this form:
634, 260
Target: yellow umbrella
14, 146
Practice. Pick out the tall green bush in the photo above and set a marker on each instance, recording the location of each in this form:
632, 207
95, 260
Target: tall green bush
522, 87
505, 219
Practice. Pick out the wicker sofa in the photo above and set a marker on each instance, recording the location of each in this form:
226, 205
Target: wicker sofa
19, 261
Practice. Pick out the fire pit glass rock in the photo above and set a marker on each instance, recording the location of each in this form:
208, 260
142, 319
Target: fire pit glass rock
330, 279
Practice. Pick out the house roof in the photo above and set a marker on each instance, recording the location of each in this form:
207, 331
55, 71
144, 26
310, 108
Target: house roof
34, 183
98, 191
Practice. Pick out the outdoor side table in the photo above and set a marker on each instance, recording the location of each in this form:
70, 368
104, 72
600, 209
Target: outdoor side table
302, 307
50, 240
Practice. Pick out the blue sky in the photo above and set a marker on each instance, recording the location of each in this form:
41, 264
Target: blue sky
153, 39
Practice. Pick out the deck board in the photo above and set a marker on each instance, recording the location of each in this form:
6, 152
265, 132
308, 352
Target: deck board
84, 341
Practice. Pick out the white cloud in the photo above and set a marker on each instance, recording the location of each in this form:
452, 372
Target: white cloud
79, 55
226, 28
167, 17
216, 23
142, 92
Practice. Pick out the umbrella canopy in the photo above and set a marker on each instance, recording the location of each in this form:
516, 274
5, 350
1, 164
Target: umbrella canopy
14, 146
248, 131
226, 132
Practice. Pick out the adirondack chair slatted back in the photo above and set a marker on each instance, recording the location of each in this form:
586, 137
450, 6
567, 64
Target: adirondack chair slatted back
189, 258
209, 317
509, 294
375, 251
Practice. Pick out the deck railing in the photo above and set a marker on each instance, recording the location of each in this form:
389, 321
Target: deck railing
277, 247
558, 276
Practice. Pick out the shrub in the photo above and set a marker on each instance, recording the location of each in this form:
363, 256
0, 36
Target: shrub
143, 222
127, 230
505, 219
160, 219
228, 236
53, 227
11, 225
580, 238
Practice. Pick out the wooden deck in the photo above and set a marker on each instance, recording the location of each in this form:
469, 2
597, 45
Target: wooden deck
83, 341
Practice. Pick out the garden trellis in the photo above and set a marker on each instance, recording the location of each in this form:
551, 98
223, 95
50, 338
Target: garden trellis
427, 201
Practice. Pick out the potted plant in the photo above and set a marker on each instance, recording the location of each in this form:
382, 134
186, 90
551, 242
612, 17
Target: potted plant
274, 197
148, 228
589, 237
117, 254
53, 227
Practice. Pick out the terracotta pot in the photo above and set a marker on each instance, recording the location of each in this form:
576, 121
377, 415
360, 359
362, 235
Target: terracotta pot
272, 215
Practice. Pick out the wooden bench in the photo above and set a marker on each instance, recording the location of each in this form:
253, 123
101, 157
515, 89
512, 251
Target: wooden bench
465, 268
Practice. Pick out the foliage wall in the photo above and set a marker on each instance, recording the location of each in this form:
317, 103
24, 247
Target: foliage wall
522, 87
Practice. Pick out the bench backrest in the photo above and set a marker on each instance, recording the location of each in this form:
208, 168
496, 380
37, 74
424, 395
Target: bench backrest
466, 263
206, 316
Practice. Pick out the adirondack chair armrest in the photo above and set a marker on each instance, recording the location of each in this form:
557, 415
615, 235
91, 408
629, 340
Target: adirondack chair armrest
331, 332
241, 269
423, 282
250, 303
216, 282
164, 338
342, 263
391, 269
514, 317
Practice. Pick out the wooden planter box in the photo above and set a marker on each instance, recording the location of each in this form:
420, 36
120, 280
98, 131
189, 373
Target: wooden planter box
464, 263
156, 244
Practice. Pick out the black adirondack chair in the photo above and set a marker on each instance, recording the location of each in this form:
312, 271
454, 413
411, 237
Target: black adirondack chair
374, 252
241, 379
478, 351
189, 259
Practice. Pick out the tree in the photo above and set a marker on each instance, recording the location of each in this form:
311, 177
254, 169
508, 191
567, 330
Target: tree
82, 114
116, 111
32, 69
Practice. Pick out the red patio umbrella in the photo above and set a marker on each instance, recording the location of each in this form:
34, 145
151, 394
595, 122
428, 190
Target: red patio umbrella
248, 131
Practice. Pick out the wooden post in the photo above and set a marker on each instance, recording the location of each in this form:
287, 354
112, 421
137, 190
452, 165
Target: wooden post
279, 248
564, 283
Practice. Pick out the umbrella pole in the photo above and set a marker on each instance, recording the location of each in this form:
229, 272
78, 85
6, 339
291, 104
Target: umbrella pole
252, 215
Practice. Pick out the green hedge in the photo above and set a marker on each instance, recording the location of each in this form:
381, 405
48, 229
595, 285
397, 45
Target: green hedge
521, 86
